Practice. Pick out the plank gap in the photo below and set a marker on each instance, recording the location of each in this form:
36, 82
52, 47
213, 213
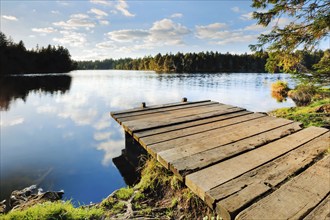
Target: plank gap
196, 123
177, 123
277, 186
207, 130
152, 107
188, 171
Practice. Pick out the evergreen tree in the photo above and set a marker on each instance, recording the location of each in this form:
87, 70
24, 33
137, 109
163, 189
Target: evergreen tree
310, 26
16, 59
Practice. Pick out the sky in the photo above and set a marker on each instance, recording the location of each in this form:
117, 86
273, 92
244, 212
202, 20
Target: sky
100, 29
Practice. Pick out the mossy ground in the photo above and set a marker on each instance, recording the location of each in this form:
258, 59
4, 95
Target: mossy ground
317, 113
159, 195
54, 210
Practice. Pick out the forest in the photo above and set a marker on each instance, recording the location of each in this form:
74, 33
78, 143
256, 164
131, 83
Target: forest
16, 59
207, 62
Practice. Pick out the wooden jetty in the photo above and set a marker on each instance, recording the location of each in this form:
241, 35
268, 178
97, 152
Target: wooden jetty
244, 165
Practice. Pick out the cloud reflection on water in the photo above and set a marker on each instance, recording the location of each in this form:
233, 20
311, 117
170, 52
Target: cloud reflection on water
11, 122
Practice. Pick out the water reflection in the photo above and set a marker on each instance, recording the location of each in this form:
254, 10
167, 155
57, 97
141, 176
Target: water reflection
18, 87
60, 125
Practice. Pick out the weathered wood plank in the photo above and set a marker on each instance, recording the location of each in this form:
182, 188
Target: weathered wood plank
217, 137
116, 113
296, 198
198, 129
193, 163
155, 131
152, 112
175, 114
182, 113
134, 126
211, 177
235, 195
322, 211
155, 149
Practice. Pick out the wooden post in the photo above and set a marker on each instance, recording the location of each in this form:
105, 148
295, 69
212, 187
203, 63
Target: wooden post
143, 105
184, 99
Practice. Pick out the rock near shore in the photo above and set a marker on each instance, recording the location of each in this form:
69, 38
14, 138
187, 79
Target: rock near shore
27, 197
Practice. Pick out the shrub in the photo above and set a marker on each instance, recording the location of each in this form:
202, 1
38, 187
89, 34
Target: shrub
303, 94
280, 87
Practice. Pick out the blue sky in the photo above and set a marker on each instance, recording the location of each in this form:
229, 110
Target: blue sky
99, 29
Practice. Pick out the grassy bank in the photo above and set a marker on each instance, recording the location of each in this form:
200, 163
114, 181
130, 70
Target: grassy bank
315, 113
158, 195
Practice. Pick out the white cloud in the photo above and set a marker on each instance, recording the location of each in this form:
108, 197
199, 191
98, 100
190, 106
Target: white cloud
167, 32
98, 12
163, 32
128, 35
236, 37
46, 30
76, 21
211, 31
235, 9
247, 16
72, 38
100, 2
9, 17
281, 22
119, 6
79, 16
106, 45
254, 27
176, 15
123, 8
55, 12
218, 33
104, 22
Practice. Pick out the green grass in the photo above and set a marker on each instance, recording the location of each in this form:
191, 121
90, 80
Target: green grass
118, 207
152, 176
124, 193
307, 115
55, 210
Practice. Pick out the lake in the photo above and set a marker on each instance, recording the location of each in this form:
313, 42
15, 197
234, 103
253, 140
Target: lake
56, 130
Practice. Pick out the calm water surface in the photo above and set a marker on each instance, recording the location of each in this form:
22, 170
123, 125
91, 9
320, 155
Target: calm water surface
56, 130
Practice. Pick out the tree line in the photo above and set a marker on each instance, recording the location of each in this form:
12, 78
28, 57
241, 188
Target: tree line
16, 59
197, 62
